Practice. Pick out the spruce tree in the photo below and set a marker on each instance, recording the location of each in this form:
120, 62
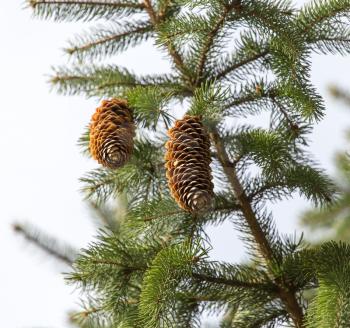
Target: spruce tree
231, 59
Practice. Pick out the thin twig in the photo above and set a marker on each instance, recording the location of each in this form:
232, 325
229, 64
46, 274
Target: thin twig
210, 40
106, 39
155, 20
34, 3
235, 66
318, 20
114, 263
45, 246
231, 282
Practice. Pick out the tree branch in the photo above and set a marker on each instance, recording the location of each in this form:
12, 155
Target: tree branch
151, 13
233, 207
155, 20
114, 263
290, 122
286, 293
48, 245
240, 64
89, 45
244, 99
230, 171
320, 19
231, 282
210, 39
34, 3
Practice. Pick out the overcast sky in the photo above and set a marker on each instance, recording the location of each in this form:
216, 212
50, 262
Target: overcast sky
40, 162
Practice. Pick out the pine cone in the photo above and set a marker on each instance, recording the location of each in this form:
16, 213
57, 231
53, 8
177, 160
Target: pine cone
188, 164
111, 133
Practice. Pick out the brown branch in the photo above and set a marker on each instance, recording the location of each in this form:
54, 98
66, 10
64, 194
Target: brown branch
320, 19
122, 84
114, 263
279, 106
86, 313
34, 3
230, 282
240, 64
286, 293
230, 171
65, 78
270, 94
85, 47
151, 13
261, 190
244, 99
210, 39
60, 78
155, 20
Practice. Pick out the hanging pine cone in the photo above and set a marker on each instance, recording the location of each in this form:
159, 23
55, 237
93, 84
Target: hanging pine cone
188, 164
111, 133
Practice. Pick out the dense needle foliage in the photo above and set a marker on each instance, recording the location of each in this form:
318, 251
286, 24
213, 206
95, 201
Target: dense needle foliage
230, 59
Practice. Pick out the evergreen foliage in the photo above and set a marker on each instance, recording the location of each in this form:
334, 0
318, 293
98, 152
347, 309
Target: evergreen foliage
334, 221
58, 250
230, 59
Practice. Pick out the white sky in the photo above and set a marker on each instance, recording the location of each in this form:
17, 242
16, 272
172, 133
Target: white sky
41, 163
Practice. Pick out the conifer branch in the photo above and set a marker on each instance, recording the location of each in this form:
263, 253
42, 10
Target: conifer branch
152, 15
324, 15
230, 171
244, 99
261, 190
286, 294
175, 55
49, 245
86, 313
335, 39
109, 39
233, 207
71, 10
34, 3
118, 264
235, 66
202, 298
211, 37
283, 112
231, 282
151, 218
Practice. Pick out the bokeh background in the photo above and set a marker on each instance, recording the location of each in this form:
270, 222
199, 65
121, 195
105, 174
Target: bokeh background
41, 163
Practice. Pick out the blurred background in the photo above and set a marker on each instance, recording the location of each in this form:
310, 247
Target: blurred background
41, 162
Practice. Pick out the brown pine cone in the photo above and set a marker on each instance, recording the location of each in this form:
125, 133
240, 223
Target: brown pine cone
111, 133
188, 165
